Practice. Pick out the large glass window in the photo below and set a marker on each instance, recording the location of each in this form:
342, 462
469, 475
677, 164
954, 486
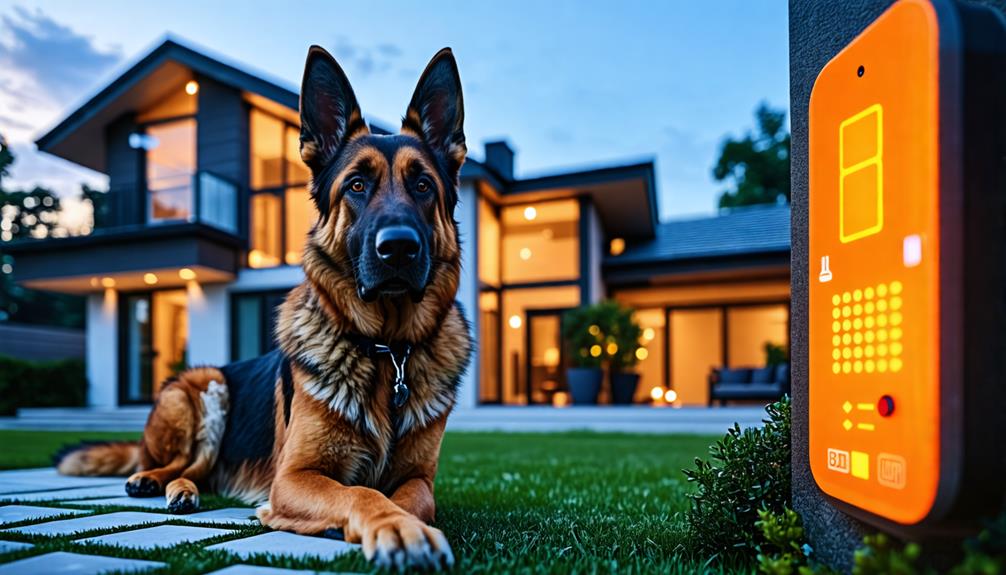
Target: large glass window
541, 242
265, 230
751, 328
155, 342
171, 165
489, 244
255, 323
282, 212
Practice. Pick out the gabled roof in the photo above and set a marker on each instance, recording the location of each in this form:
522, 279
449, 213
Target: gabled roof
741, 231
77, 138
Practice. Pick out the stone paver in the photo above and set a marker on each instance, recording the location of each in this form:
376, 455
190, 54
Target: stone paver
230, 515
125, 501
48, 478
154, 537
65, 494
288, 544
8, 546
81, 524
63, 563
260, 570
15, 513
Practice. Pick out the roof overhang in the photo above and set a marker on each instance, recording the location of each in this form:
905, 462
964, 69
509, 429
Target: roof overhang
749, 266
77, 264
624, 196
167, 67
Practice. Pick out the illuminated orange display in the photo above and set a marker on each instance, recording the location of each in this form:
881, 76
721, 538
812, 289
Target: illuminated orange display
875, 268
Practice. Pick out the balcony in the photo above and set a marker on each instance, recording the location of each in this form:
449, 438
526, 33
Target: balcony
188, 229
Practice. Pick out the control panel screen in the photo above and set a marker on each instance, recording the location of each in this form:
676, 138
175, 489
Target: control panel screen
874, 268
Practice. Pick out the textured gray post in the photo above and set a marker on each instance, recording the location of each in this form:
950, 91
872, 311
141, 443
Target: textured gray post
818, 30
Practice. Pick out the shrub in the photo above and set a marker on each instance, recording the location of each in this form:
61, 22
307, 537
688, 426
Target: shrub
748, 471
60, 383
592, 332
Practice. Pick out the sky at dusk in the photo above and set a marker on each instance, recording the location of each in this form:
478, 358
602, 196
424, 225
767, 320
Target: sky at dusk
568, 84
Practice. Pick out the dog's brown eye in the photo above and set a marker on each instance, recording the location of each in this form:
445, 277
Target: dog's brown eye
356, 185
422, 187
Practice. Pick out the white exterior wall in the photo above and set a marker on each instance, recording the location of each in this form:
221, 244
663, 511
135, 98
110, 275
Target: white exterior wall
102, 343
209, 325
466, 214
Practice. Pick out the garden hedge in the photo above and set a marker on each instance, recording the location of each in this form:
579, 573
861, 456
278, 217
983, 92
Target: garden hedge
59, 383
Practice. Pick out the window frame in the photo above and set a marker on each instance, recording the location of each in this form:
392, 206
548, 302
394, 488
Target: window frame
142, 153
278, 191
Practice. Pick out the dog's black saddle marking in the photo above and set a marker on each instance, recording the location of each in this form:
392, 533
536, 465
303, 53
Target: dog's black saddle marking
250, 431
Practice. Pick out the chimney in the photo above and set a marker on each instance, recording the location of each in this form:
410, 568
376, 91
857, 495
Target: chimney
499, 158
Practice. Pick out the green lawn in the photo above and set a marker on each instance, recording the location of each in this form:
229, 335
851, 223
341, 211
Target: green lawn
508, 503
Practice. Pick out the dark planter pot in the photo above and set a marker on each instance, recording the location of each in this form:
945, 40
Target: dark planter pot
584, 384
623, 387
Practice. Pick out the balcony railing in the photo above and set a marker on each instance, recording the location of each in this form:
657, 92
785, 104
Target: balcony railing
204, 198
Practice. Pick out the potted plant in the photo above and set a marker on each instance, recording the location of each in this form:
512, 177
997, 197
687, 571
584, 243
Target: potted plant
584, 337
624, 333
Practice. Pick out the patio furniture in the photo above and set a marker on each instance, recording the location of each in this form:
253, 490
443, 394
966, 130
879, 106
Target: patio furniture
767, 383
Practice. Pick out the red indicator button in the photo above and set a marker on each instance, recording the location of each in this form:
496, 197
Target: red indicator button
885, 406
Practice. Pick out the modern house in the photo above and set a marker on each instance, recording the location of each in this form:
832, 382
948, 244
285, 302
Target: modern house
207, 212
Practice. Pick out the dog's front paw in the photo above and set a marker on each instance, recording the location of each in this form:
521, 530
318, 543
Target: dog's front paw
139, 485
403, 541
182, 496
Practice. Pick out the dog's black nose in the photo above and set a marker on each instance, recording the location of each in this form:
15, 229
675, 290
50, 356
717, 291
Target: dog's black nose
397, 246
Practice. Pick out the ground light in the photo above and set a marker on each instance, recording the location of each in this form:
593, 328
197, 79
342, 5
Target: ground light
906, 128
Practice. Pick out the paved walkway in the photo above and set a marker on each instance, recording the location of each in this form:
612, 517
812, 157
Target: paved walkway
71, 512
633, 419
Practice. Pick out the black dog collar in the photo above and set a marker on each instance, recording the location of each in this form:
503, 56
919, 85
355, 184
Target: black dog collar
399, 353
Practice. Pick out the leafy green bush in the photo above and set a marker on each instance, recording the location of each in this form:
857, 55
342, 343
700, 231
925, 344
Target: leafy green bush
60, 383
602, 331
748, 471
785, 551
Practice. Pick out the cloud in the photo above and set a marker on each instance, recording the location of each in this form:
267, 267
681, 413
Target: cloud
365, 60
59, 61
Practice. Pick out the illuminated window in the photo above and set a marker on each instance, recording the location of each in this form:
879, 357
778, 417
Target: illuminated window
266, 133
545, 248
489, 244
265, 231
300, 216
861, 174
171, 164
296, 171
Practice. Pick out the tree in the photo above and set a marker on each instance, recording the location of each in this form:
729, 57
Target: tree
757, 165
30, 214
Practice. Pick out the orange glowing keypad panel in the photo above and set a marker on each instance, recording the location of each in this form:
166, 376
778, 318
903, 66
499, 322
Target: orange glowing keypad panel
874, 268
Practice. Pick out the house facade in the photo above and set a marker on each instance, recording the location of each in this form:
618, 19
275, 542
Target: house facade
201, 233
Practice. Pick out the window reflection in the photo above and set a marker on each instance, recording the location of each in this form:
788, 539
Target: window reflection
171, 164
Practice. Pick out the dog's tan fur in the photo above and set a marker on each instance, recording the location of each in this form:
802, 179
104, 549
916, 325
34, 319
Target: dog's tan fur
343, 457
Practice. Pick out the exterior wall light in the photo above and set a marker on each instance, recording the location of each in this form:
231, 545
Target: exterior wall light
149, 279
108, 282
530, 213
186, 274
192, 87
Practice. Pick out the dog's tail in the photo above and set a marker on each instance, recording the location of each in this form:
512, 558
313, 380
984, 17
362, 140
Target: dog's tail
98, 458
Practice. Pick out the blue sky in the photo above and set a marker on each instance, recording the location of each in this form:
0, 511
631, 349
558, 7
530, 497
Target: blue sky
568, 84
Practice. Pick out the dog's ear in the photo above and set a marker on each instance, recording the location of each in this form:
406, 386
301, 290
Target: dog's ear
436, 113
329, 113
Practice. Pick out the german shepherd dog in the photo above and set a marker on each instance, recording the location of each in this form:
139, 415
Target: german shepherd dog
340, 427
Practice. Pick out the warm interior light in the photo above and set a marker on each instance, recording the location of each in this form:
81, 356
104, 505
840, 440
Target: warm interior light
530, 213
642, 354
671, 396
525, 254
560, 399
186, 274
649, 334
191, 87
617, 246
551, 357
108, 282
656, 393
149, 279
515, 321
